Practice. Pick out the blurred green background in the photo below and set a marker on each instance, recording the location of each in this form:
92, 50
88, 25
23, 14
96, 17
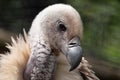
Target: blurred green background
101, 19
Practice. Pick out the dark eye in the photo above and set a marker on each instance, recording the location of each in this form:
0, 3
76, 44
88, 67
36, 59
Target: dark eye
62, 27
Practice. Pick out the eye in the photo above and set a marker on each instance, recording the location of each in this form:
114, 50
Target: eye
62, 27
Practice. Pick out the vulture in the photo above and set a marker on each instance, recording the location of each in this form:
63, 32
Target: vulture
50, 51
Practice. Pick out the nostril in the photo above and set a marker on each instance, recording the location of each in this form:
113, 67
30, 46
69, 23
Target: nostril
72, 43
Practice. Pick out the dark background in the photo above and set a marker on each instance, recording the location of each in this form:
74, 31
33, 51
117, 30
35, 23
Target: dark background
101, 19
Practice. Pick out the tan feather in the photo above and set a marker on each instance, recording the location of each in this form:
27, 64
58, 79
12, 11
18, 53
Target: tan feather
12, 63
86, 71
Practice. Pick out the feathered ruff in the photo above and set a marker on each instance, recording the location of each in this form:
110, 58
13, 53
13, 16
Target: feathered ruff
12, 63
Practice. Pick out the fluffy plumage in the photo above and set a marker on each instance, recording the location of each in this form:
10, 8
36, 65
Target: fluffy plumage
12, 64
29, 54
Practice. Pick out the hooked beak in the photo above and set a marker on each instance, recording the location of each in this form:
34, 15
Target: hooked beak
73, 52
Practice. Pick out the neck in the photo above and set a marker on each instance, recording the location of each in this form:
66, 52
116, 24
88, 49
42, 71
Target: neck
41, 63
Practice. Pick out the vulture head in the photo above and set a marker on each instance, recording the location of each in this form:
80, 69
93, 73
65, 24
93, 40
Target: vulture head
57, 29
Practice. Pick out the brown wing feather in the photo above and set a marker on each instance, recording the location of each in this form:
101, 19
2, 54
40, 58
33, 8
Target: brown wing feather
86, 72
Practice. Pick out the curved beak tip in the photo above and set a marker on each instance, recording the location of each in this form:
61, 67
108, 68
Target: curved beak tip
75, 65
74, 56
